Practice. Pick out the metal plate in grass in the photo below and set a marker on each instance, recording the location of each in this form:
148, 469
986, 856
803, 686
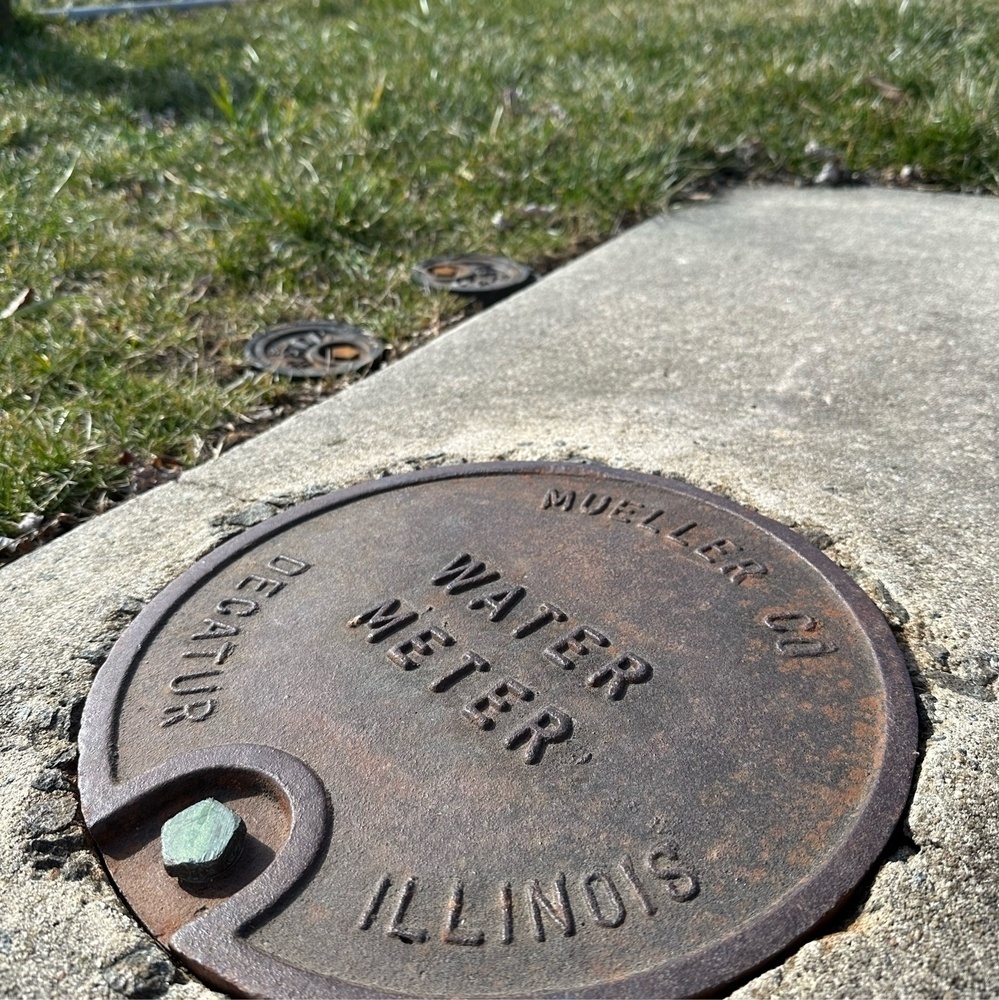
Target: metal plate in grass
313, 349
473, 274
502, 730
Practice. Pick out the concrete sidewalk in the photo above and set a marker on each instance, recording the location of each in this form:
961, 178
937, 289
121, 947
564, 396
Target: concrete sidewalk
827, 357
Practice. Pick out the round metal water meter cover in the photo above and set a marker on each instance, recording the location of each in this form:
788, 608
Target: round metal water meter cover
501, 731
472, 274
312, 349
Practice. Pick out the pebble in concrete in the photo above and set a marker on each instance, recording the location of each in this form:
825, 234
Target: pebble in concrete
144, 973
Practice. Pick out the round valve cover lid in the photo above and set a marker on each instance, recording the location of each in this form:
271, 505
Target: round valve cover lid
502, 730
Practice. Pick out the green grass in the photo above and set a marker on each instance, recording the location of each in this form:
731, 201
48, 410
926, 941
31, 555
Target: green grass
172, 184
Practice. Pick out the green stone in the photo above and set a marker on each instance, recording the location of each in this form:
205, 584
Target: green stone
202, 841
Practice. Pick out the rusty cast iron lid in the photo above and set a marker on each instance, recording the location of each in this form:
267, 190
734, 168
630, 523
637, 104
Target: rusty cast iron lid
501, 731
472, 274
312, 349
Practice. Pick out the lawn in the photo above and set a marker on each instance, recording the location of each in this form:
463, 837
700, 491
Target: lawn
170, 185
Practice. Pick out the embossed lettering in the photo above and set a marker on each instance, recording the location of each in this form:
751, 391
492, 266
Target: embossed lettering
470, 663
558, 909
646, 522
680, 884
549, 906
506, 909
495, 700
628, 869
216, 629
225, 607
195, 711
553, 498
619, 673
383, 619
550, 725
547, 614
287, 566
796, 644
463, 573
592, 504
450, 934
371, 910
264, 585
719, 547
499, 603
220, 655
677, 534
395, 929
790, 621
737, 572
575, 641
625, 510
187, 684
419, 644
609, 912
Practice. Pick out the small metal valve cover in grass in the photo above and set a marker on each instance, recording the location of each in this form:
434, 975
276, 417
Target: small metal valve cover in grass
202, 841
